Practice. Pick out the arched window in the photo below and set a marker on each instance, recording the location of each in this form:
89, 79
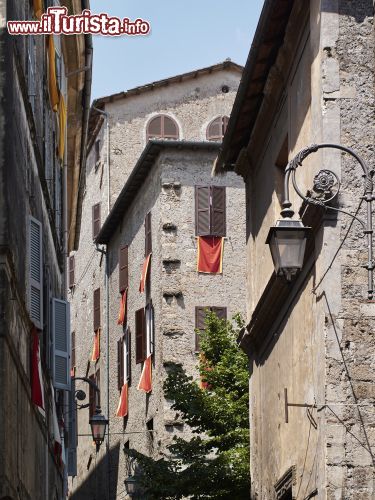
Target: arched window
162, 127
216, 129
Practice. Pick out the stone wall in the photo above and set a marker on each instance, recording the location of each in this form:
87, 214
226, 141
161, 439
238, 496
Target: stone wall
193, 104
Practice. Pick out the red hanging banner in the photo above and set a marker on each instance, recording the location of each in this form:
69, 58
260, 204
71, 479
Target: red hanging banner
122, 310
122, 409
144, 273
210, 254
96, 348
37, 390
145, 382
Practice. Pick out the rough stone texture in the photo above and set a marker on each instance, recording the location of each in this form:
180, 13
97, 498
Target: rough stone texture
322, 350
176, 288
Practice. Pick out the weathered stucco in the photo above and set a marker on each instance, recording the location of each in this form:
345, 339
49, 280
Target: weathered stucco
320, 346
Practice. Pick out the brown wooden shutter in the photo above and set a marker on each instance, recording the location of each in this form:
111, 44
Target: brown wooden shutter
202, 210
140, 336
95, 220
221, 312
71, 271
97, 381
120, 363
218, 211
148, 238
123, 268
73, 350
200, 314
92, 399
96, 309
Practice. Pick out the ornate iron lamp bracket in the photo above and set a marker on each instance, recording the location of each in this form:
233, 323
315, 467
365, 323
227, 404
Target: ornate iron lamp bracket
325, 188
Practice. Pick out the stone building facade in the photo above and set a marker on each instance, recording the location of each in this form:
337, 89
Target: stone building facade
309, 77
34, 184
157, 176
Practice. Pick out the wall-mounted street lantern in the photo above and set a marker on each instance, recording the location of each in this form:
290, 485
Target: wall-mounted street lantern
130, 485
287, 239
98, 422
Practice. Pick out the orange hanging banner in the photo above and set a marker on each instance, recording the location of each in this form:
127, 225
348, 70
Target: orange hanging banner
122, 409
96, 349
62, 127
38, 8
54, 93
146, 265
37, 389
210, 254
122, 310
145, 382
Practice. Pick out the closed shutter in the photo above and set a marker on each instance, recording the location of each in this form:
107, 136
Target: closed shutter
200, 314
221, 312
36, 273
127, 358
149, 313
218, 215
72, 430
96, 309
95, 220
140, 336
92, 397
123, 268
120, 363
202, 210
73, 350
71, 271
148, 238
61, 347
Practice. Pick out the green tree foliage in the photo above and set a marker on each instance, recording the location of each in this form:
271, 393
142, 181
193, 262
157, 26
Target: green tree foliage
214, 464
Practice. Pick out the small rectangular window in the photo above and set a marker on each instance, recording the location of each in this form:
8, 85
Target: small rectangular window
96, 224
200, 316
140, 336
96, 309
123, 268
210, 210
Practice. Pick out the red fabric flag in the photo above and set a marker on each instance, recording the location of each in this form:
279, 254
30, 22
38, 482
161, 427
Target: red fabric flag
146, 377
122, 409
122, 310
37, 390
96, 348
144, 273
210, 254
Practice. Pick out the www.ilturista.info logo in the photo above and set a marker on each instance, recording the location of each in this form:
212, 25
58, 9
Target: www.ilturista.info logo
56, 21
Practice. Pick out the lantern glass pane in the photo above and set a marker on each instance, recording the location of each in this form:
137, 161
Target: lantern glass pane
291, 248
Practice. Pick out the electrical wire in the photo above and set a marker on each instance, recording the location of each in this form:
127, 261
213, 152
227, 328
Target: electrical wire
354, 217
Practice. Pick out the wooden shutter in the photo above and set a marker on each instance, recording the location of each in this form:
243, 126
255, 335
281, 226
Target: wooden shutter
123, 268
202, 210
200, 314
140, 336
72, 432
96, 309
221, 312
95, 220
149, 317
127, 357
61, 341
218, 211
92, 398
73, 350
120, 363
36, 273
97, 393
148, 238
71, 271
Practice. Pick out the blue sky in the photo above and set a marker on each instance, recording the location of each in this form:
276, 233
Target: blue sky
184, 36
